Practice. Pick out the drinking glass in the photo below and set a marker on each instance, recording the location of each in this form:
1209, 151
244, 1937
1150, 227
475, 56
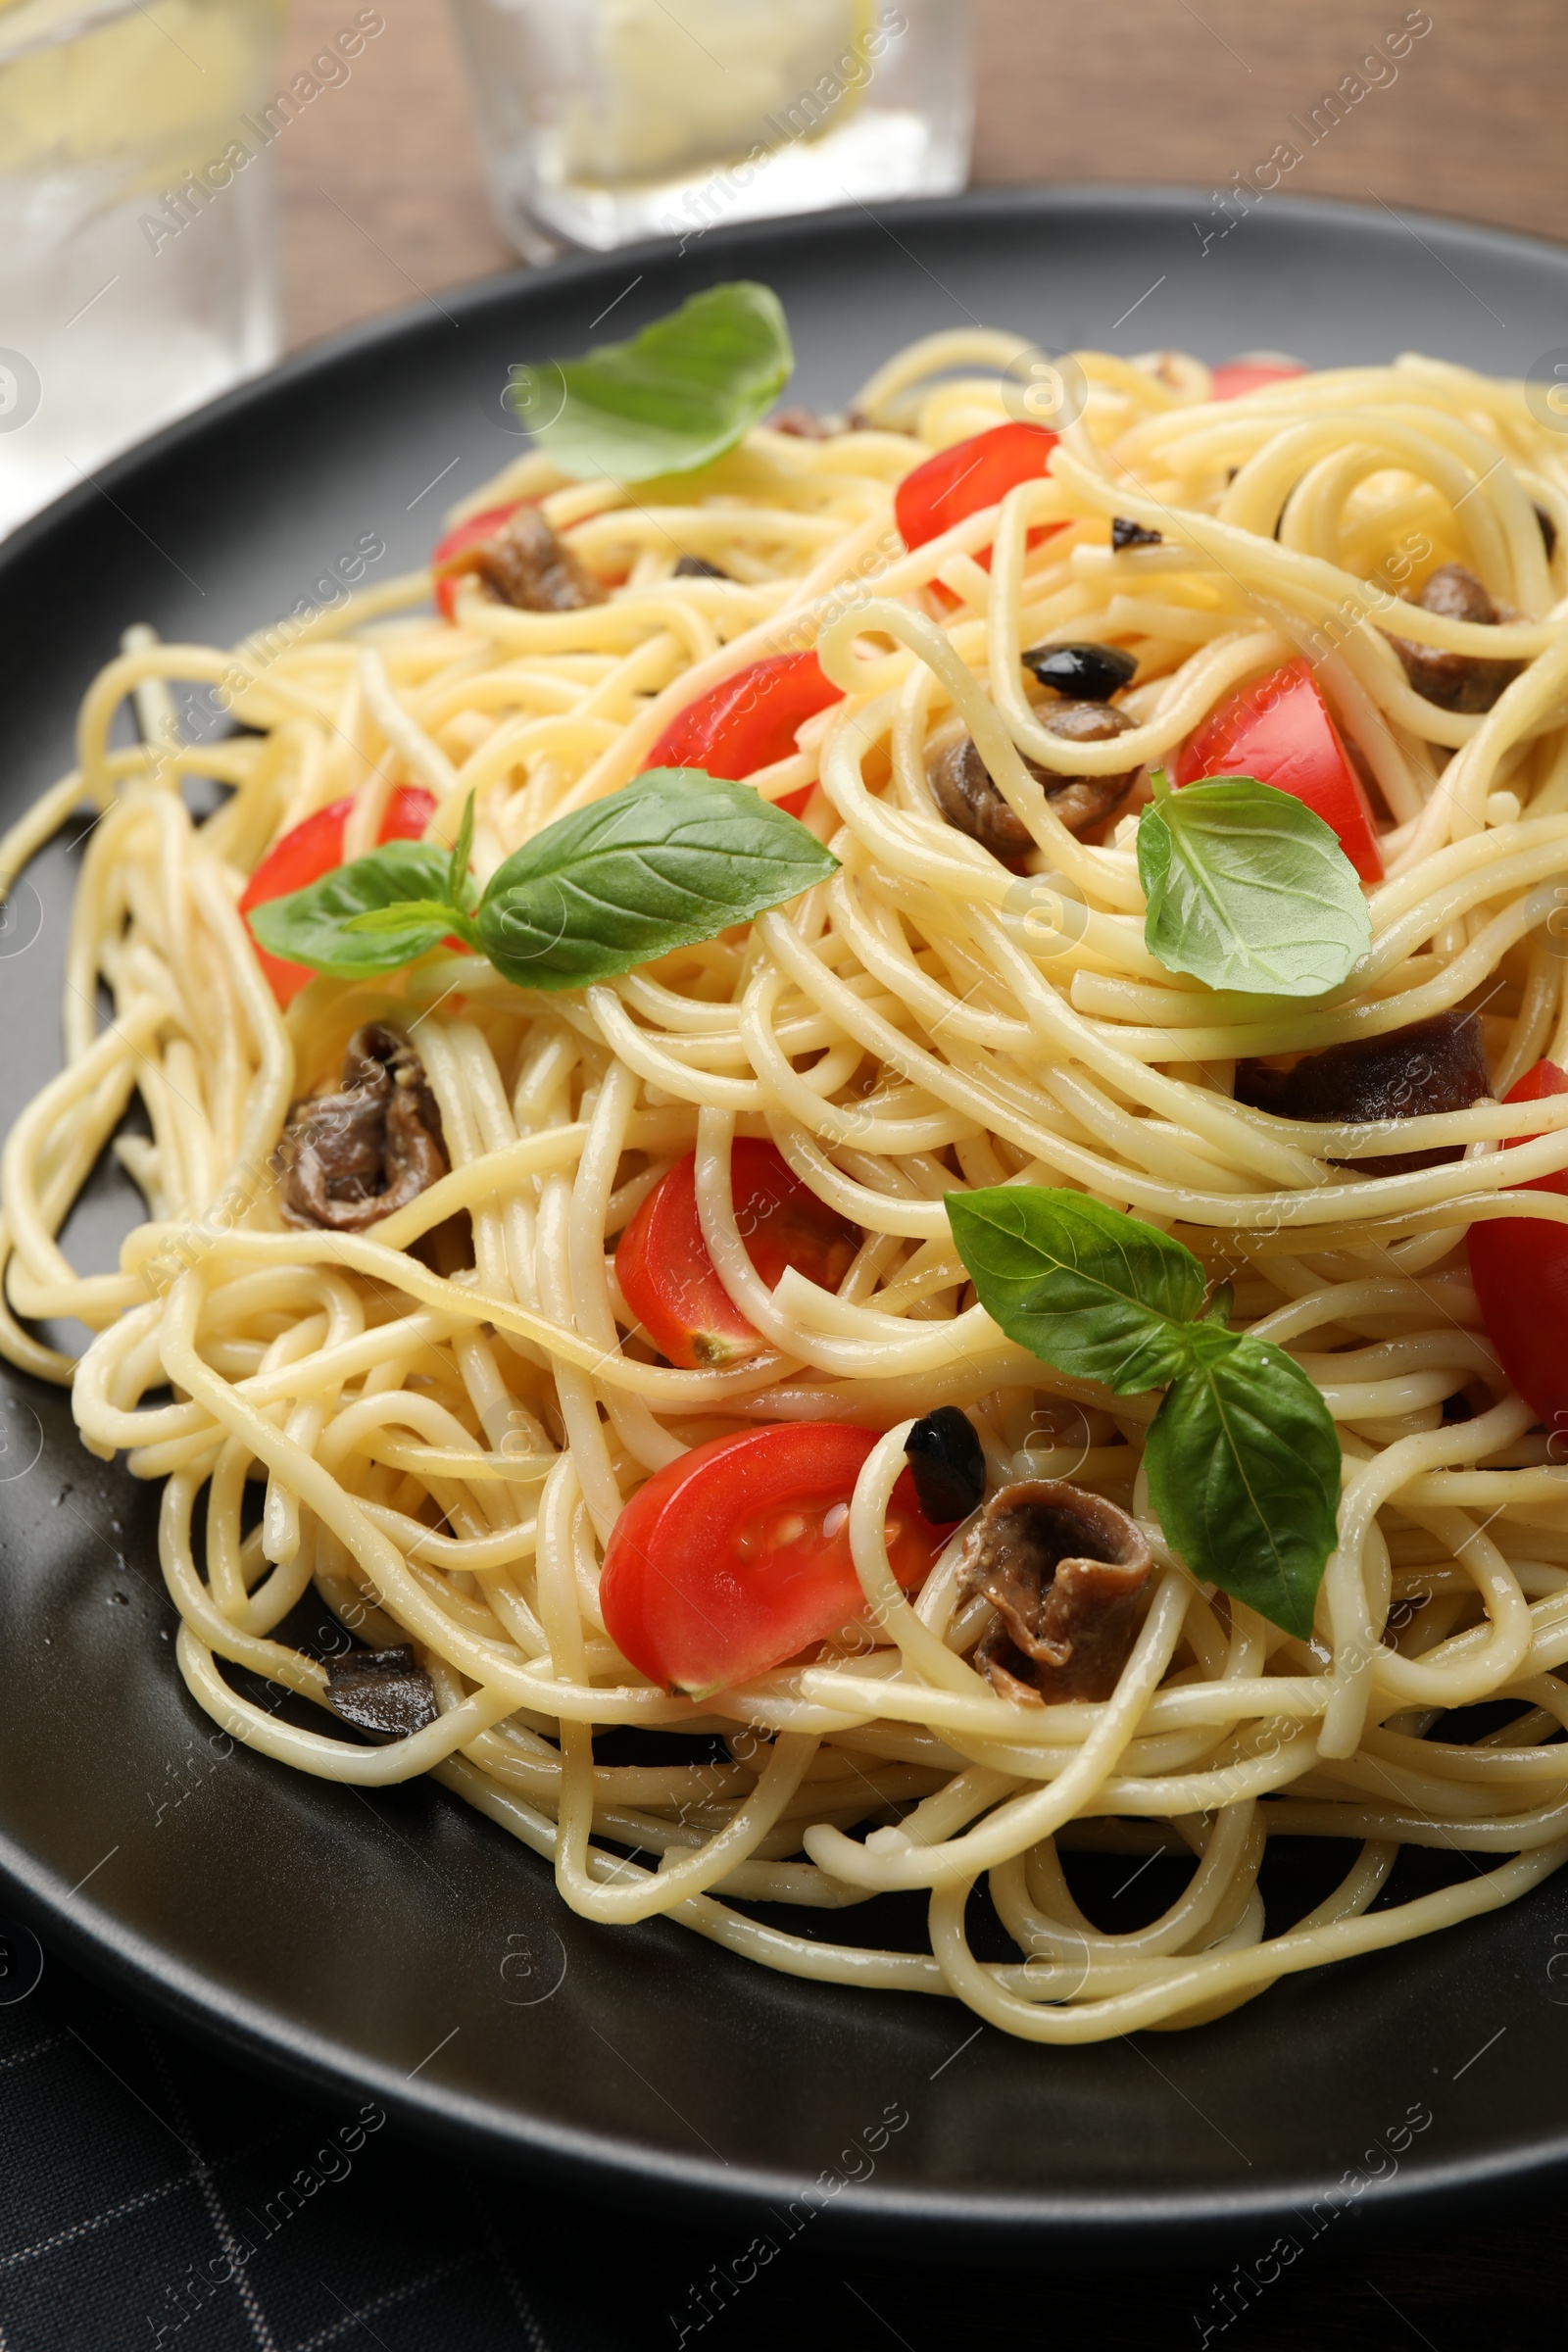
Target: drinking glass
138, 245
602, 121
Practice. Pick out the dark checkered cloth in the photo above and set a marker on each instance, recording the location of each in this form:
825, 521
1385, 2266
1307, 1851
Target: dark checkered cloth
150, 2197
153, 2196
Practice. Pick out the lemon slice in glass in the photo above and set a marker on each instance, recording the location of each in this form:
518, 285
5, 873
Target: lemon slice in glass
147, 92
683, 85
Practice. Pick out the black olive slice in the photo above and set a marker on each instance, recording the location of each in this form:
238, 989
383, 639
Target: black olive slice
1126, 533
1439, 1064
381, 1690
948, 1465
1090, 673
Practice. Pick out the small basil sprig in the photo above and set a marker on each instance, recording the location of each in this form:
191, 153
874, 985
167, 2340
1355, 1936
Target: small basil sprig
674, 397
1248, 889
675, 857
381, 912
1242, 1455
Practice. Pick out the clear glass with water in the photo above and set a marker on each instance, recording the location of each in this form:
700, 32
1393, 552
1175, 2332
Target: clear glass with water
138, 244
603, 121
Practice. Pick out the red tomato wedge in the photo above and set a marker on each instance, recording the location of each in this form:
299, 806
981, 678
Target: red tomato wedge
1279, 730
1233, 377
670, 1283
309, 851
1520, 1271
749, 721
737, 1556
958, 481
464, 535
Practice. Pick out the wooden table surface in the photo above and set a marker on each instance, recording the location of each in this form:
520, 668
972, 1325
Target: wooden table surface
383, 197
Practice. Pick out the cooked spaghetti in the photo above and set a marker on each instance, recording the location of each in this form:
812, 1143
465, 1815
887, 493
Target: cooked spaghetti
444, 1411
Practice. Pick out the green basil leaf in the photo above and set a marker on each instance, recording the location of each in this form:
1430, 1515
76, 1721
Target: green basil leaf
1218, 1309
1244, 1472
1247, 889
674, 858
317, 927
1100, 1296
1242, 1457
379, 922
674, 397
460, 891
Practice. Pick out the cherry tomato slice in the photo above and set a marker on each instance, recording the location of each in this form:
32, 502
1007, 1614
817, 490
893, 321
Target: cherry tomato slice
749, 721
1279, 730
313, 849
1235, 376
464, 535
737, 1556
958, 481
1520, 1271
670, 1283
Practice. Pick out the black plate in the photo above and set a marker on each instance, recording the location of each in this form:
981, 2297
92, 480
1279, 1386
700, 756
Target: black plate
397, 1945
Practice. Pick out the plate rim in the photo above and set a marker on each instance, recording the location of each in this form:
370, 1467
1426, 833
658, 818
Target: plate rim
252, 2034
480, 295
580, 2162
